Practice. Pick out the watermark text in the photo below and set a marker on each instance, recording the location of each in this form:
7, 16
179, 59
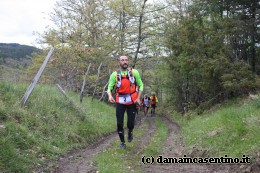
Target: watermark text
200, 160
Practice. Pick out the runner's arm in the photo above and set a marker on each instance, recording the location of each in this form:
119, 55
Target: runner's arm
139, 83
138, 80
111, 84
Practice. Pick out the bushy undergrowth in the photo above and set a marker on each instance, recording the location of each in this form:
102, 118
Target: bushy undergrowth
48, 125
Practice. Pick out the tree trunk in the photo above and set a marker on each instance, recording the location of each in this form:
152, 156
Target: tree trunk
253, 33
122, 27
139, 34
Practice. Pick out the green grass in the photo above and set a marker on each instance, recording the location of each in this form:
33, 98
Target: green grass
232, 129
48, 125
158, 139
11, 74
118, 160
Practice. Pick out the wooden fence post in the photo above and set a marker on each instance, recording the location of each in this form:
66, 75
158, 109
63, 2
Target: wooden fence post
83, 85
97, 80
36, 78
103, 93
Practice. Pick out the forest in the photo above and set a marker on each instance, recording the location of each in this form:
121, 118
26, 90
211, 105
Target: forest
192, 53
16, 51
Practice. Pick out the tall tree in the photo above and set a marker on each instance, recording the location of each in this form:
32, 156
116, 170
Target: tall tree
204, 65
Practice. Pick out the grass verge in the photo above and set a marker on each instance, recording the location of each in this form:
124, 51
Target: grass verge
48, 125
230, 129
156, 144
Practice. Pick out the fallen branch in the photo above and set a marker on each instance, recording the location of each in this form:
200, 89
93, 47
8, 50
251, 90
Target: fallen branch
78, 109
103, 92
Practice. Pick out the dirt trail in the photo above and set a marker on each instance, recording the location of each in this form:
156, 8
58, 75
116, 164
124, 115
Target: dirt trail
145, 139
80, 161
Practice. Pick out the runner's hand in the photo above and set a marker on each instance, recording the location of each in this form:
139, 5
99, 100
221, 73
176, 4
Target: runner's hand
111, 99
138, 101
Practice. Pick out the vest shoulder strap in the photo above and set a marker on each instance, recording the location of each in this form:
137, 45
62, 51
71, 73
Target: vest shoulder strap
130, 76
118, 78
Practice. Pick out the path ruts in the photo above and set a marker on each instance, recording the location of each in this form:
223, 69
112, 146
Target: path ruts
147, 135
173, 147
80, 160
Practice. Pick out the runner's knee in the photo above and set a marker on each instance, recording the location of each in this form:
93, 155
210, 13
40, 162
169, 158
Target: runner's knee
120, 127
130, 126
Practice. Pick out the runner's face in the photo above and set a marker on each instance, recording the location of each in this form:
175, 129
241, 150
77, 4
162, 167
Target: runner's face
123, 62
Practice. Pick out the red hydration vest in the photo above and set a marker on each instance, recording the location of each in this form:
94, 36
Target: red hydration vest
126, 88
153, 100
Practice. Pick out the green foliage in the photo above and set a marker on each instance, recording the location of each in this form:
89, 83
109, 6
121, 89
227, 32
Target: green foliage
68, 66
203, 69
234, 80
48, 125
95, 32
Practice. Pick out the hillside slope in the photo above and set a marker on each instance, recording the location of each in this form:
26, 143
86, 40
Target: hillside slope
14, 59
16, 51
49, 125
231, 128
